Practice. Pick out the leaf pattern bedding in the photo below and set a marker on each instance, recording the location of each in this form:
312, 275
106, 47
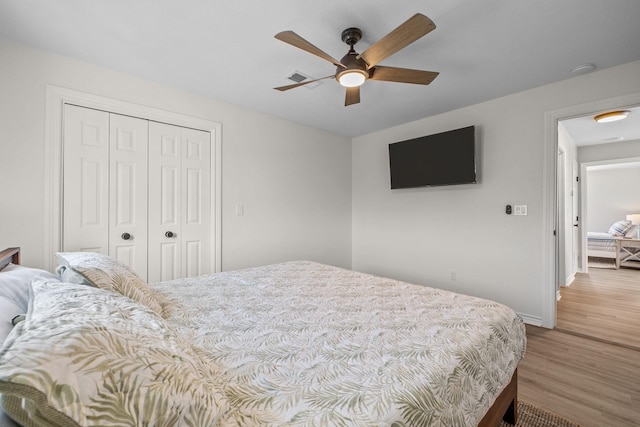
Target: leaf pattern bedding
291, 344
307, 344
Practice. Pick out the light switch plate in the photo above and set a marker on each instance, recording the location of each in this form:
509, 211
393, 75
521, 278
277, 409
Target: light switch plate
520, 209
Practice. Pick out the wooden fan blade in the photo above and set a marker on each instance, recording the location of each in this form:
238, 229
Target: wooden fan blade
408, 32
403, 75
353, 96
295, 40
283, 88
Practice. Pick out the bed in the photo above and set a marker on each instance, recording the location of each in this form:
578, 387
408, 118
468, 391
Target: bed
295, 343
603, 245
611, 245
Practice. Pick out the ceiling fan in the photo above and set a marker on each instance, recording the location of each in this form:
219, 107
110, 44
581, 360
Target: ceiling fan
355, 68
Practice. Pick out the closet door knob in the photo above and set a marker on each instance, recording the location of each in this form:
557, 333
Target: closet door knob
169, 234
126, 236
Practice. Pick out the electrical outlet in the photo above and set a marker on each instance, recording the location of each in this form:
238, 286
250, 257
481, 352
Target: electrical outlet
239, 209
452, 275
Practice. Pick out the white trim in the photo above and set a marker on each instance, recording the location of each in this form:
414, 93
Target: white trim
584, 180
530, 320
56, 98
584, 257
551, 119
549, 220
569, 280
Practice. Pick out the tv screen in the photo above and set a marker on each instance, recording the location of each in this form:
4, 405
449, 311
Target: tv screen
446, 158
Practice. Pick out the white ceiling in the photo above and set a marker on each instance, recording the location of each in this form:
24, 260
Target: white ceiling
226, 49
585, 131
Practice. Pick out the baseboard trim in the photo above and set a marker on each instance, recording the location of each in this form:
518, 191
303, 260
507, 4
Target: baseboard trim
569, 280
531, 320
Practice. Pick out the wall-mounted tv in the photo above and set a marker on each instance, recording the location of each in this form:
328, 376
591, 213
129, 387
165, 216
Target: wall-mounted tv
446, 158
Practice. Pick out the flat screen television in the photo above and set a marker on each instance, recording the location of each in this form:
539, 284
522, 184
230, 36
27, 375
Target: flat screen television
446, 158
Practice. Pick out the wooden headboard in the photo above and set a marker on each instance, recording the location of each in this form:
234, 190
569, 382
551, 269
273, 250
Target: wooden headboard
9, 255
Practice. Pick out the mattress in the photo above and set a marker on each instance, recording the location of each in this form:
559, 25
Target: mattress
601, 245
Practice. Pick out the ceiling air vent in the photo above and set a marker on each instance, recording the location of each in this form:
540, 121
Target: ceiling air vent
298, 77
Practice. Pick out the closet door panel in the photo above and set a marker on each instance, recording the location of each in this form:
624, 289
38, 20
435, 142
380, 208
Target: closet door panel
170, 261
196, 202
169, 196
165, 187
85, 180
128, 196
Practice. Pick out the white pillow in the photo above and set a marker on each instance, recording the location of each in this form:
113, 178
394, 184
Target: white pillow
15, 281
8, 310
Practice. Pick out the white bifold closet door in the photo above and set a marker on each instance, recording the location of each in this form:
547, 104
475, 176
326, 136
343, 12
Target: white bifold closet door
179, 202
137, 190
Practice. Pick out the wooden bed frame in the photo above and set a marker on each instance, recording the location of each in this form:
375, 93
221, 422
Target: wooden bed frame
504, 408
9, 255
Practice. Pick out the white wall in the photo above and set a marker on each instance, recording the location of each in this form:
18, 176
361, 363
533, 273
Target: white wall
612, 194
609, 154
422, 235
294, 181
610, 151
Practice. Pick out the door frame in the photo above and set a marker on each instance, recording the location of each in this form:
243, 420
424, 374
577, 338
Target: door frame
56, 98
577, 217
549, 185
561, 267
584, 183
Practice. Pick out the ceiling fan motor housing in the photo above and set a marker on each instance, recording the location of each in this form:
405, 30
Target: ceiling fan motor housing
352, 63
351, 36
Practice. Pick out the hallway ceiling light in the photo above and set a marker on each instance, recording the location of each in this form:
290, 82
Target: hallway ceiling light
583, 69
611, 116
614, 139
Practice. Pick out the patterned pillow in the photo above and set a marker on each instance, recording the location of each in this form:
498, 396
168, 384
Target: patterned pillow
620, 228
108, 273
86, 356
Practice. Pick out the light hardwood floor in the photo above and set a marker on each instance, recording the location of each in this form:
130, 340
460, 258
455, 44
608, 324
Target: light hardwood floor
589, 382
603, 304
595, 380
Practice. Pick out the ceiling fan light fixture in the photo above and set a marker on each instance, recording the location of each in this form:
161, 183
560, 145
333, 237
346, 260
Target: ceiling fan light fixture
356, 68
352, 78
611, 116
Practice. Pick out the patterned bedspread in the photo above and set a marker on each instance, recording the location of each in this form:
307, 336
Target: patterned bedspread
601, 241
602, 245
308, 344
